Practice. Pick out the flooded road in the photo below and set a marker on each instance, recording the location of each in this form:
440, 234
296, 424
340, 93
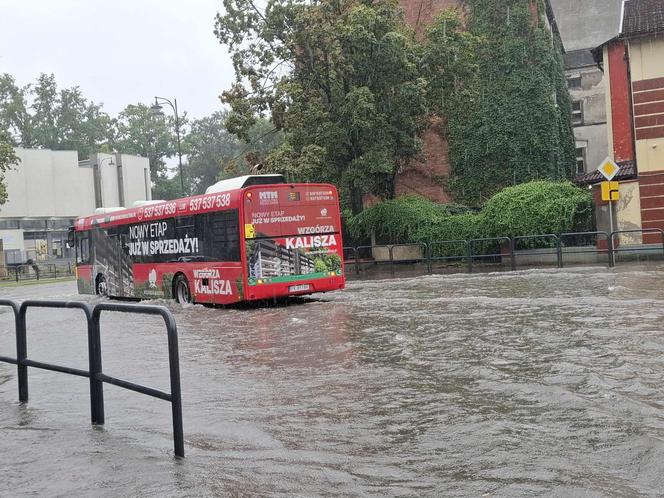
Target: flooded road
511, 384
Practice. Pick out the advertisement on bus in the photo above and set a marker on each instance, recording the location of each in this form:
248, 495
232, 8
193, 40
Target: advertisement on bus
292, 234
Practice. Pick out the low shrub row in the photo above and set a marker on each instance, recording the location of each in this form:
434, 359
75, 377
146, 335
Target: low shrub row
532, 208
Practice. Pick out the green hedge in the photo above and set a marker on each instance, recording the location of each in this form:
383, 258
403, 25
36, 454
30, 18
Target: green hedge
538, 208
403, 220
532, 208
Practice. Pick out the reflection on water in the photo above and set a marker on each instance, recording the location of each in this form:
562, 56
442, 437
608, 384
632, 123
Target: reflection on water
510, 384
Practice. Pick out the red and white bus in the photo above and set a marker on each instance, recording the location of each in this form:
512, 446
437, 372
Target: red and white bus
247, 238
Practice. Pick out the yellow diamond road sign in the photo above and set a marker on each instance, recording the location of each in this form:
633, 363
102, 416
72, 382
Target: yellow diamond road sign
609, 169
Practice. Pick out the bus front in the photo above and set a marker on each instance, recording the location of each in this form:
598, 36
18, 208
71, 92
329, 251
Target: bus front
292, 240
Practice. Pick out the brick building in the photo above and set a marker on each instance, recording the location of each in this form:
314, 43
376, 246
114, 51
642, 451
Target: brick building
427, 175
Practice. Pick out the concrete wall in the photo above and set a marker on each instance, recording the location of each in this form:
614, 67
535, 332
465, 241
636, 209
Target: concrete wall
122, 179
628, 212
595, 140
584, 25
48, 184
646, 56
135, 172
592, 134
53, 184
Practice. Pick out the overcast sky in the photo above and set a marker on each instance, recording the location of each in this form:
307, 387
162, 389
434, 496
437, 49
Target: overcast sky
119, 52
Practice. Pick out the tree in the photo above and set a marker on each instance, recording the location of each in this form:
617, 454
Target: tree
339, 77
213, 153
14, 116
510, 119
140, 132
208, 145
43, 116
7, 159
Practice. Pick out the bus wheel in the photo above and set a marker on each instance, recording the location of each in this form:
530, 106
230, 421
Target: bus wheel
101, 288
182, 292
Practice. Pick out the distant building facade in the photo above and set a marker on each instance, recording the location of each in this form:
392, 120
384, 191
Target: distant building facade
633, 64
583, 26
48, 189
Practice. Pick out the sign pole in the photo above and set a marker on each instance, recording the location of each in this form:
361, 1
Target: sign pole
610, 189
610, 217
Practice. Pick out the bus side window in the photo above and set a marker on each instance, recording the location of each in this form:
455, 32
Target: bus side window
225, 235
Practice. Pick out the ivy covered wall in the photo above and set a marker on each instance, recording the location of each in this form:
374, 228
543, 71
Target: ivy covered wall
511, 123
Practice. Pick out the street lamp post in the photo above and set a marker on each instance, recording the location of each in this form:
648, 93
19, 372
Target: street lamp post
96, 173
157, 110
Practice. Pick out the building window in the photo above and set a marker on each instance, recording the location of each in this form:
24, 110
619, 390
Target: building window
577, 112
33, 224
580, 160
9, 224
574, 82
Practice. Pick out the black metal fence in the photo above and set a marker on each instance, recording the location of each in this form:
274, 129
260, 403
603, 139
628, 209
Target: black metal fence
469, 253
23, 272
95, 372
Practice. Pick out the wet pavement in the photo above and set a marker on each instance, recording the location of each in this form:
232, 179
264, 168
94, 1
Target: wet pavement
542, 382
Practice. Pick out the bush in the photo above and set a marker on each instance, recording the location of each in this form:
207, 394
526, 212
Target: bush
538, 208
532, 208
403, 220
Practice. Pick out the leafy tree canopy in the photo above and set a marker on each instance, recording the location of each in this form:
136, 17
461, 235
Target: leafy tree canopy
213, 153
341, 78
7, 159
41, 115
142, 133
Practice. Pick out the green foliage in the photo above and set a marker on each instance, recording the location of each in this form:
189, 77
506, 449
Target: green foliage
411, 219
213, 153
340, 78
7, 160
327, 262
142, 133
44, 116
538, 208
509, 122
41, 115
532, 208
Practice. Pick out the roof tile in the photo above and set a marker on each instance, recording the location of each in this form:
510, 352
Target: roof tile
643, 17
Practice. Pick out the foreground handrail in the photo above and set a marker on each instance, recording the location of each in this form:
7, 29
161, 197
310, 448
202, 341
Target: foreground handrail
95, 372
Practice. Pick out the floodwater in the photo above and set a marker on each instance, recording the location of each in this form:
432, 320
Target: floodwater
541, 382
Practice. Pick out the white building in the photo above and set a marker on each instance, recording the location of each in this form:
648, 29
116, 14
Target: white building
48, 189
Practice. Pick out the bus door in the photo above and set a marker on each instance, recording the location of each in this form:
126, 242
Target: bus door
119, 267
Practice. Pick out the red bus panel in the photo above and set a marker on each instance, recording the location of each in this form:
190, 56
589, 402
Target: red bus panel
293, 240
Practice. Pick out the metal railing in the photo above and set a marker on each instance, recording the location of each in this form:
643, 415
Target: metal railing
500, 249
37, 272
95, 373
556, 243
642, 231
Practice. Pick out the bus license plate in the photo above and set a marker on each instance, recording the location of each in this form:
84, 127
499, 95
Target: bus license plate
298, 288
